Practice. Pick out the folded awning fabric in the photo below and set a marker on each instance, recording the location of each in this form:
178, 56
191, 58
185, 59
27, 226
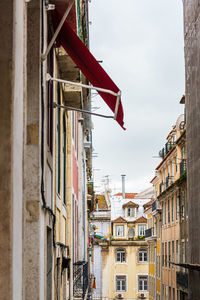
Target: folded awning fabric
88, 65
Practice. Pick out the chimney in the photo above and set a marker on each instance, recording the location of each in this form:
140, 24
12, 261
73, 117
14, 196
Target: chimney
123, 186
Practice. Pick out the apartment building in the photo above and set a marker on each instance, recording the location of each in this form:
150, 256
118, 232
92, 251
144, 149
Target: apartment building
167, 232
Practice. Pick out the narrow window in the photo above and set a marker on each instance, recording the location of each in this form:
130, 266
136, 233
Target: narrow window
64, 158
141, 230
177, 254
172, 208
173, 251
165, 254
169, 252
58, 139
168, 211
119, 230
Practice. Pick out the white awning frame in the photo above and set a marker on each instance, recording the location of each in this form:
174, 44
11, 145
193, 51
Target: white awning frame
44, 55
118, 95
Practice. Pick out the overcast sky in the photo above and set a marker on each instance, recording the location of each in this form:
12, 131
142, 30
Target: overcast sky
141, 45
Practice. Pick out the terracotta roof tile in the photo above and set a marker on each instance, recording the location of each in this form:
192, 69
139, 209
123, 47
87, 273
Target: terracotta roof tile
127, 195
130, 204
141, 220
119, 220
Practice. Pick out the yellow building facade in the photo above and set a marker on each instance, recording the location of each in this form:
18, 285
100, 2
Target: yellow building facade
167, 220
125, 258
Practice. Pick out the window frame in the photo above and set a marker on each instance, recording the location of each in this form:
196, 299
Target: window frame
121, 284
139, 276
143, 227
119, 227
143, 251
122, 255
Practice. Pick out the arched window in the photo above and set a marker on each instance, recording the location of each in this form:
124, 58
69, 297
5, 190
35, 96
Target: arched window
121, 255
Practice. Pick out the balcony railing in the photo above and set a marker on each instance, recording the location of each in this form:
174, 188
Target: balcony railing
182, 167
182, 279
80, 279
154, 205
148, 233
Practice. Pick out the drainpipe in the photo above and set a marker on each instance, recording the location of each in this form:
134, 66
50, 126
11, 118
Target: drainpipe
123, 186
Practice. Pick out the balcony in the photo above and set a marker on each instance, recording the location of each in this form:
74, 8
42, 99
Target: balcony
150, 234
182, 167
182, 280
155, 207
80, 279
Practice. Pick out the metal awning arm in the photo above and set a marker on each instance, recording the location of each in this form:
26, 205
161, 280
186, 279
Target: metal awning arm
118, 95
80, 110
83, 85
44, 56
117, 104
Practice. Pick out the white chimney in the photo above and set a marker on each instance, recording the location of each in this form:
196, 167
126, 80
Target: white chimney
123, 186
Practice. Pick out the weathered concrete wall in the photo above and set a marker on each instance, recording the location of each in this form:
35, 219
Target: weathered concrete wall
192, 65
11, 150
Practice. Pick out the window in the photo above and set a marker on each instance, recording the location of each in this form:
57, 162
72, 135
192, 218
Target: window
173, 294
163, 291
131, 212
141, 230
169, 252
58, 140
64, 158
165, 212
142, 283
120, 255
119, 230
121, 283
183, 251
169, 292
177, 260
173, 251
182, 204
165, 254
142, 255
168, 210
176, 207
172, 208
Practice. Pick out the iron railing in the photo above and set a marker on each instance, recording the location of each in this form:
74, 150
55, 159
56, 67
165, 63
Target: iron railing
148, 233
154, 205
182, 166
80, 279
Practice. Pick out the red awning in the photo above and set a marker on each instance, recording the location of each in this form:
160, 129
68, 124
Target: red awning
89, 66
